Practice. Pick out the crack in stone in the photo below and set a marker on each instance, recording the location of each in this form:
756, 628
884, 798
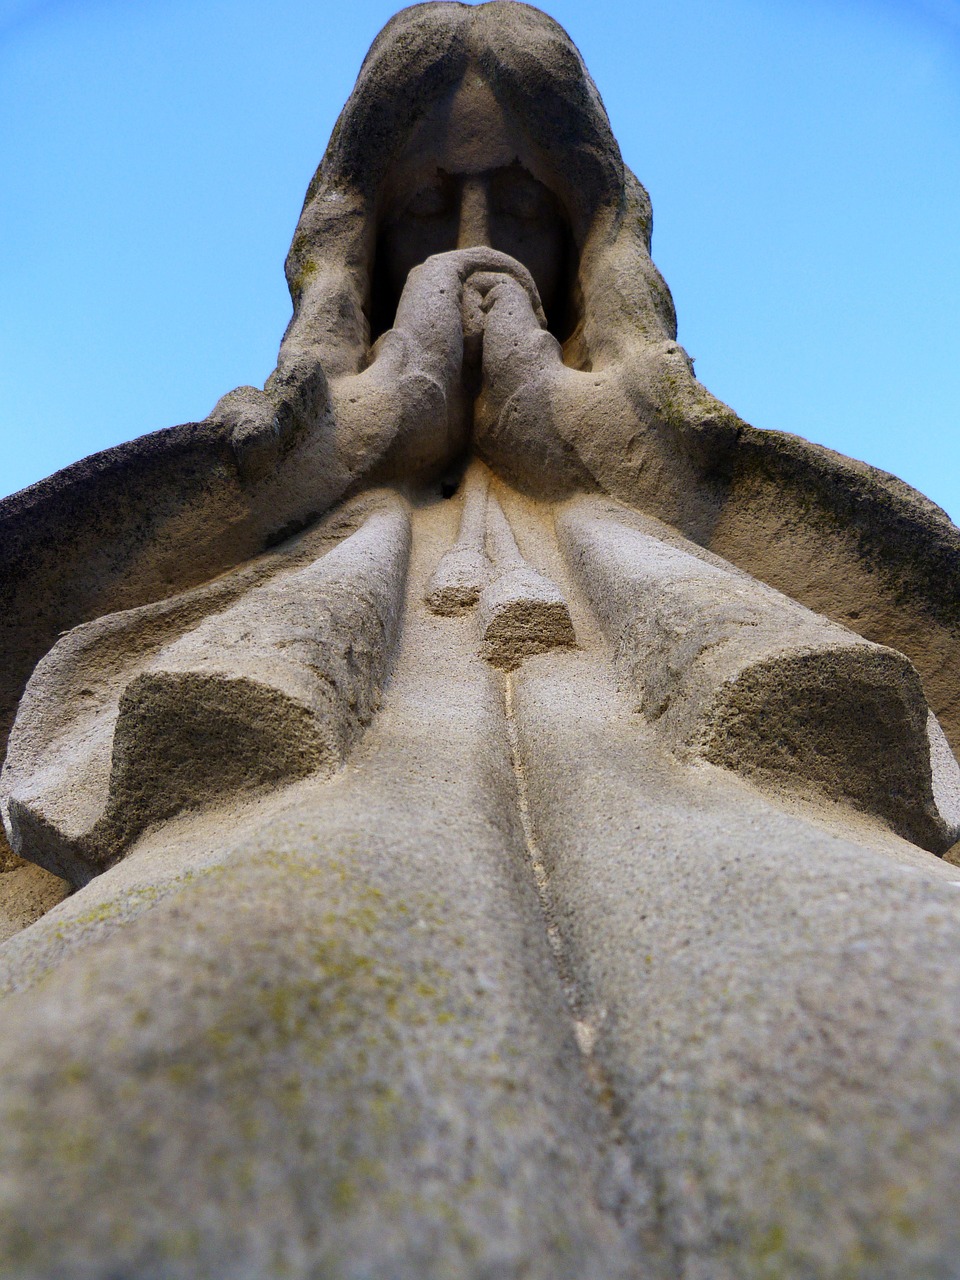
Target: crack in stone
586, 1028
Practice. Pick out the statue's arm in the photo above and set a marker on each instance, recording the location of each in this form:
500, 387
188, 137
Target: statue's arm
152, 517
156, 515
841, 537
128, 525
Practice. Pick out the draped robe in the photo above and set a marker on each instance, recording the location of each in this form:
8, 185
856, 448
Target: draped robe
503, 788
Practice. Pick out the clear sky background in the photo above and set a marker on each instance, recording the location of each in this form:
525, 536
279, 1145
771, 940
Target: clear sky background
803, 157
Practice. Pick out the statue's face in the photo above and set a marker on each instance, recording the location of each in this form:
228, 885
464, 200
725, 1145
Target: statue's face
460, 182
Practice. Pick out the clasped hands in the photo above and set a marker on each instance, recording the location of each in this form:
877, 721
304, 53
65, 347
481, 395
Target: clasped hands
470, 364
469, 332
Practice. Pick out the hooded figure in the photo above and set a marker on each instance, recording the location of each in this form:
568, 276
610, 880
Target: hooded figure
531, 988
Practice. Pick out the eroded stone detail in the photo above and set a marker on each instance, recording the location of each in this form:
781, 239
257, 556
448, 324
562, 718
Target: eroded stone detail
465, 570
521, 612
274, 687
733, 671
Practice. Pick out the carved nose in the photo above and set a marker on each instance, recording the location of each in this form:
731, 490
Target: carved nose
474, 226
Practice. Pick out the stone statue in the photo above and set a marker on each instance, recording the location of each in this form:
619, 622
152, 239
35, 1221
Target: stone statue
509, 800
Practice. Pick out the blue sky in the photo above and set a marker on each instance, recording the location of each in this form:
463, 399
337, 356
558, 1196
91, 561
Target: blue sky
803, 157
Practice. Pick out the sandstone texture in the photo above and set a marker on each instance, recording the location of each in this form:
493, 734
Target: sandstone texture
520, 612
273, 686
738, 674
476, 807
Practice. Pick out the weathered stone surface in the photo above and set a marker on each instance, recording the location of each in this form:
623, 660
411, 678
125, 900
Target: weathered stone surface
740, 675
465, 570
27, 892
418, 932
774, 1007
768, 994
352, 1055
521, 612
274, 686
458, 581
